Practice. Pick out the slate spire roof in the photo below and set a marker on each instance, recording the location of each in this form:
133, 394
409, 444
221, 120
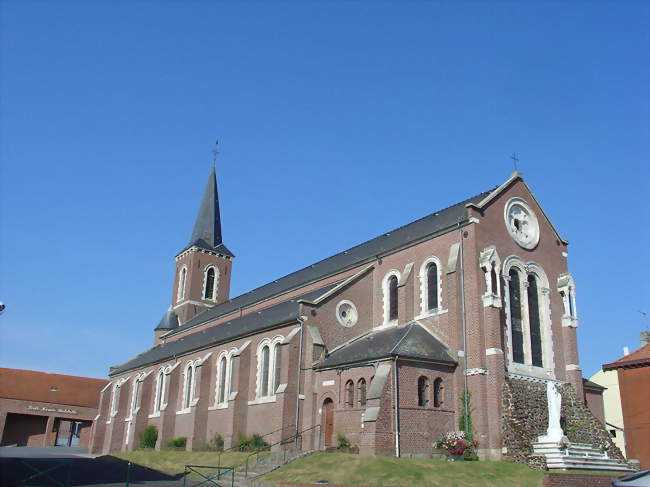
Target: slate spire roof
207, 227
169, 320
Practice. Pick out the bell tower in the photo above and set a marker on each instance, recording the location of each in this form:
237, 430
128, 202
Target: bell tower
202, 277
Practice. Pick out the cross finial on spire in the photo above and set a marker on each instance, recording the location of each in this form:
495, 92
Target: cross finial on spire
215, 152
515, 160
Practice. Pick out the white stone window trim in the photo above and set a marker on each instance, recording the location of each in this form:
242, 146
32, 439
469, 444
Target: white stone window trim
135, 392
182, 284
215, 287
424, 291
567, 289
115, 398
530, 215
488, 260
229, 355
188, 402
386, 298
163, 372
267, 342
544, 303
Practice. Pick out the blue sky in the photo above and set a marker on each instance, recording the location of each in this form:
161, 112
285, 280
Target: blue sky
337, 121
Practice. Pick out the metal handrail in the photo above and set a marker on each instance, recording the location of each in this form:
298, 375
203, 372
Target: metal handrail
281, 442
236, 446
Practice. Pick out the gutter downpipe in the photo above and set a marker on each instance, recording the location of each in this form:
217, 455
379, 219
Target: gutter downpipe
396, 403
301, 320
464, 324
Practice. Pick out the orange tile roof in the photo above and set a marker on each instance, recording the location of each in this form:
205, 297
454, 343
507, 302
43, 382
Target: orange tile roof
638, 358
30, 385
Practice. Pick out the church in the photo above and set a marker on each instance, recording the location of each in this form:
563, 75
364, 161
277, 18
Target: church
464, 315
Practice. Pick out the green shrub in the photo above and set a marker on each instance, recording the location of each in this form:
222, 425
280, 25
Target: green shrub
470, 455
342, 441
149, 436
177, 442
216, 443
252, 443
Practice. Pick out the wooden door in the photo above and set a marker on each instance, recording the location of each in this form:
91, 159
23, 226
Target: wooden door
328, 420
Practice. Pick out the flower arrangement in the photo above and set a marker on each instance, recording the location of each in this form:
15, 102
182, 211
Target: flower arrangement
455, 443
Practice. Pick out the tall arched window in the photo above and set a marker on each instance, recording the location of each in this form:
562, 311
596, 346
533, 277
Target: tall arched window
188, 390
277, 354
349, 394
209, 284
223, 366
494, 280
264, 367
572, 311
392, 298
535, 326
432, 286
362, 393
437, 393
135, 394
160, 391
514, 289
423, 392
116, 398
182, 277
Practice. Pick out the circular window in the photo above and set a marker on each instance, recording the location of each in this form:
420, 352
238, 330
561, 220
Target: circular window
521, 223
346, 313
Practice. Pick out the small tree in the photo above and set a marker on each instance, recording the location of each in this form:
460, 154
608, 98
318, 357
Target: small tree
149, 436
465, 423
216, 443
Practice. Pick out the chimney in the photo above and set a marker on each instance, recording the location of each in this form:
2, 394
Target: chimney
645, 337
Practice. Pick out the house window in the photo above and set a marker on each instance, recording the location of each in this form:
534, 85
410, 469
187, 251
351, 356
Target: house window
265, 371
223, 366
535, 325
160, 391
182, 277
188, 388
277, 354
362, 393
437, 393
432, 286
392, 298
423, 392
349, 394
209, 279
516, 323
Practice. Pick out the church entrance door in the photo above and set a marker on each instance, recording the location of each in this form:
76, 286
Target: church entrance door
328, 420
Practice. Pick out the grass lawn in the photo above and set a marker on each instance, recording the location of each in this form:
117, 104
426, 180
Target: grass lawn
173, 462
341, 468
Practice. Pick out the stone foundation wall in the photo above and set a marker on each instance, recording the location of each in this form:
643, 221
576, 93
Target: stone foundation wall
525, 417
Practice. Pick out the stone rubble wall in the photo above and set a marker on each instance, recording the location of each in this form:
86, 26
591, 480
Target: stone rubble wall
525, 418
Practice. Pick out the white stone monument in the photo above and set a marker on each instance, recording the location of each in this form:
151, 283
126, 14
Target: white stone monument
554, 432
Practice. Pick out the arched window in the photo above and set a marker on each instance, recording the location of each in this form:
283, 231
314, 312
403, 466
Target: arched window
209, 284
188, 390
494, 280
116, 398
265, 371
349, 394
514, 288
572, 311
160, 391
392, 298
533, 318
423, 392
182, 277
437, 392
223, 366
277, 354
135, 393
432, 286
362, 392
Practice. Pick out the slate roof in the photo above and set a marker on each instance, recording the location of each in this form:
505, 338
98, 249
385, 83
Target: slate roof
410, 341
284, 312
169, 321
587, 384
387, 242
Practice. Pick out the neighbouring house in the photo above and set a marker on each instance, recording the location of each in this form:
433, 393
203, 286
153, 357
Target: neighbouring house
608, 380
634, 382
379, 342
41, 409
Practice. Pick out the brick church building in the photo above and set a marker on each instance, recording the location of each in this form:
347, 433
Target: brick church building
377, 342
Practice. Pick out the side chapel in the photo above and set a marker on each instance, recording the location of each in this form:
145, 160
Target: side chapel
377, 342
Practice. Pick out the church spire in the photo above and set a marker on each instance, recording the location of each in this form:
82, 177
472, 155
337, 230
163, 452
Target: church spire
207, 228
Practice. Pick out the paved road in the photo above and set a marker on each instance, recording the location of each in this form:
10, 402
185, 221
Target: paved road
19, 467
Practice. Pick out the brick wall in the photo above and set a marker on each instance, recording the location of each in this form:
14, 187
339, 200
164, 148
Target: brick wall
577, 480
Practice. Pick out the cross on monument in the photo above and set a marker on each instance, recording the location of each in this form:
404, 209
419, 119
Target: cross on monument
515, 159
215, 152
